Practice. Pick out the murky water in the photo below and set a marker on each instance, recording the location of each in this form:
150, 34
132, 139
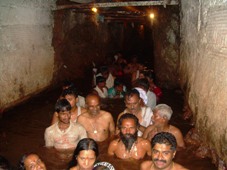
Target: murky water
22, 129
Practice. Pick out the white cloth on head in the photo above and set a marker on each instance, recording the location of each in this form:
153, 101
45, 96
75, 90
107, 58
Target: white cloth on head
151, 99
143, 95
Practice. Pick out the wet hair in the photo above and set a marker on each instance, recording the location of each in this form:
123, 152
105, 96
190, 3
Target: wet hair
21, 165
127, 116
103, 69
117, 82
70, 91
84, 144
143, 83
150, 74
68, 84
131, 93
164, 111
62, 105
100, 79
4, 163
165, 138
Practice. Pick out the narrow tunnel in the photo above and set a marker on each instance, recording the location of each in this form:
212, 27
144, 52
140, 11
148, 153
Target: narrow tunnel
44, 43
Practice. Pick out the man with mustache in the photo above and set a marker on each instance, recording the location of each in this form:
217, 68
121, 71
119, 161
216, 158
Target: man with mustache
134, 105
129, 145
164, 147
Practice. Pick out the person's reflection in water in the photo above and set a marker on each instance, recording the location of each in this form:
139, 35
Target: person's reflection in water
31, 162
84, 155
164, 147
129, 145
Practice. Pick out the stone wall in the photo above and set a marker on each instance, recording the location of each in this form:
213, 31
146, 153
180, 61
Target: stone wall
166, 33
203, 64
27, 57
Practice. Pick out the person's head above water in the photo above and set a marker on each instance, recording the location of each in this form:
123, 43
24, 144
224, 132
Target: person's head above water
93, 104
62, 105
31, 161
85, 154
164, 147
128, 125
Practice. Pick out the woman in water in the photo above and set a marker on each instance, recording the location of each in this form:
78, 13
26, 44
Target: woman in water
85, 155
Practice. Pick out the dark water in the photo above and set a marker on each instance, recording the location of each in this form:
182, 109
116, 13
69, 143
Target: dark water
22, 129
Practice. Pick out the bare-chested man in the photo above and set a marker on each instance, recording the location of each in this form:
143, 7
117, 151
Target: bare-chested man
134, 106
163, 151
98, 123
162, 114
64, 134
129, 145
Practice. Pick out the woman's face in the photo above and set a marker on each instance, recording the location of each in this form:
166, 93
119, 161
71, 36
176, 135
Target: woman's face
33, 162
86, 159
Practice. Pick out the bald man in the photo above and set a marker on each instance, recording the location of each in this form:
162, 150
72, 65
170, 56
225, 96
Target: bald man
98, 123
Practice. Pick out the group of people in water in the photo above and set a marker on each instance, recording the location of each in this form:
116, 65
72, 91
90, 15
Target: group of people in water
143, 128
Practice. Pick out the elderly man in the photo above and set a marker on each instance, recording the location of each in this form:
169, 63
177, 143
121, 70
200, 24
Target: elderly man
134, 106
162, 115
64, 134
98, 123
129, 145
163, 151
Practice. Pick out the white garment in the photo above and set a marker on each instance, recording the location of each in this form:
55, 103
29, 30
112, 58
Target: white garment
67, 139
73, 118
151, 99
81, 101
110, 81
143, 94
102, 94
146, 118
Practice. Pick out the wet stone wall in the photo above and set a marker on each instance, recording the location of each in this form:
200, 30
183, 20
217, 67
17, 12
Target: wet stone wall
27, 57
166, 31
203, 66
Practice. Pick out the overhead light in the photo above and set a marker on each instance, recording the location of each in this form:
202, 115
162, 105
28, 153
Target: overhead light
151, 15
95, 10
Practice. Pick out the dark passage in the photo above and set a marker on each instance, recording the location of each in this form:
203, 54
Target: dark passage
22, 129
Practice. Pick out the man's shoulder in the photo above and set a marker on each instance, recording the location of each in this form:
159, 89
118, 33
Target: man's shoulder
77, 125
174, 129
51, 128
146, 164
179, 167
105, 113
83, 115
143, 141
115, 142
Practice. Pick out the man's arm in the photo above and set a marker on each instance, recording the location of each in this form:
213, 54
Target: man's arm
82, 132
117, 131
48, 139
179, 137
147, 145
146, 132
54, 118
111, 126
142, 128
145, 165
112, 147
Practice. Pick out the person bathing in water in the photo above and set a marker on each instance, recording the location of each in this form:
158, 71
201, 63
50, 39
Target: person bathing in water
129, 145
